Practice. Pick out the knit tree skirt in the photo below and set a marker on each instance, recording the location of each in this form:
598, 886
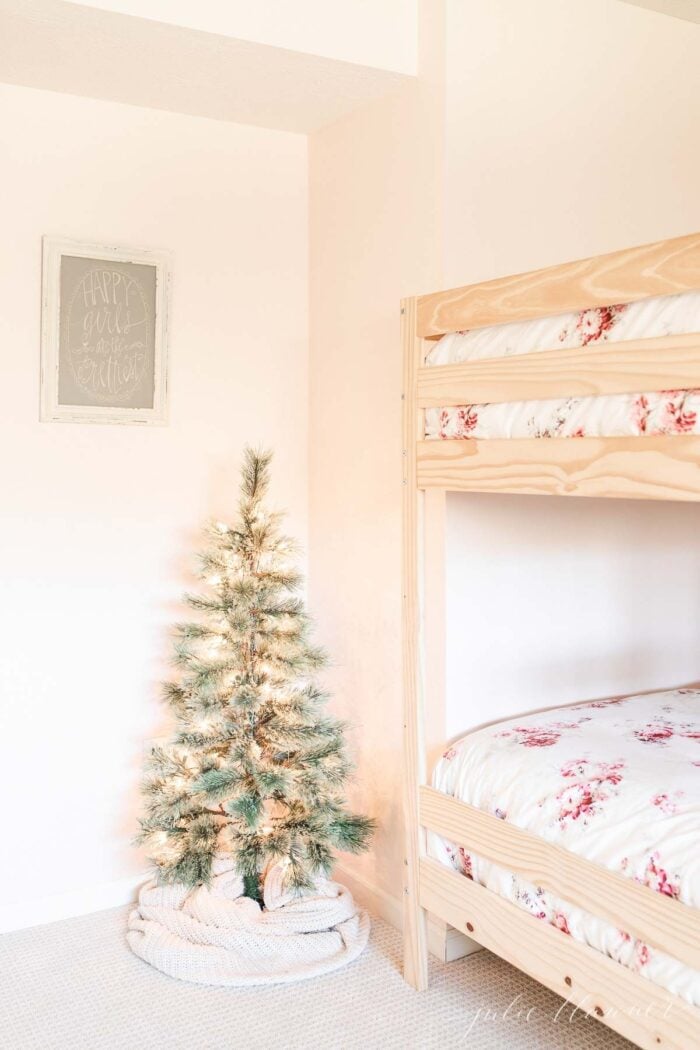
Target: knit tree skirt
215, 935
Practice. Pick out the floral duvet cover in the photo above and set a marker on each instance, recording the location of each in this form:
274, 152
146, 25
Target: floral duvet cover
615, 415
614, 781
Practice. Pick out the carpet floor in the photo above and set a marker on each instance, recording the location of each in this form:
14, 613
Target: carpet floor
75, 985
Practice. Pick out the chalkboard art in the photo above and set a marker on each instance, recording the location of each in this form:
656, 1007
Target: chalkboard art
104, 352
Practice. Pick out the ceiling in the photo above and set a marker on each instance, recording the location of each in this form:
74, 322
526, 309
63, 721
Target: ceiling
80, 50
687, 9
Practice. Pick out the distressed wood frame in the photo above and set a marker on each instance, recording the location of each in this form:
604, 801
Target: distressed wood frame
53, 249
666, 468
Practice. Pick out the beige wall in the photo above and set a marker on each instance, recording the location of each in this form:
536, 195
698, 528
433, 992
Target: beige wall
375, 203
99, 523
571, 130
570, 127
535, 132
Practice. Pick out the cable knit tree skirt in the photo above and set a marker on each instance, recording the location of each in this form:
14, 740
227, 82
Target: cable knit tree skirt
215, 935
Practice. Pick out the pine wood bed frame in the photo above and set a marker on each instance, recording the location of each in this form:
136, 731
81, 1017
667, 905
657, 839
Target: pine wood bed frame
665, 468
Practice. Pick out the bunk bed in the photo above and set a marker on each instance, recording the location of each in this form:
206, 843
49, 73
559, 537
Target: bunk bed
578, 380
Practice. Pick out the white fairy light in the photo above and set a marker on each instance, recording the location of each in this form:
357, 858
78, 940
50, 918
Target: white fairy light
242, 662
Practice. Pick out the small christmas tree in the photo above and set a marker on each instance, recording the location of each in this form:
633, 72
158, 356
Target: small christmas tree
255, 767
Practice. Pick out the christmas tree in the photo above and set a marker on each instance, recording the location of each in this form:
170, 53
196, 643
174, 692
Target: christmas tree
255, 767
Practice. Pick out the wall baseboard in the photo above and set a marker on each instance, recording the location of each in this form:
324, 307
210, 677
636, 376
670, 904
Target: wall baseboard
83, 901
444, 942
87, 899
371, 897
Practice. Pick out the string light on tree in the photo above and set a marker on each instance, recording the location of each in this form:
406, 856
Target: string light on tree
256, 766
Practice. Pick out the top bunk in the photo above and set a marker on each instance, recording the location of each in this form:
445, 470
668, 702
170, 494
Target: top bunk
581, 379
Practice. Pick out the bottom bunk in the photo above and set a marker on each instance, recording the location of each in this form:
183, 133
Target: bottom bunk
588, 819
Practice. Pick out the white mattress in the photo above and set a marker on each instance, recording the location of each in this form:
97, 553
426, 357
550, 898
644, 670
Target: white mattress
617, 782
617, 415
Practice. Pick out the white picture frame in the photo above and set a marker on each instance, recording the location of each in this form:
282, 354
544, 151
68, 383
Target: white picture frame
104, 352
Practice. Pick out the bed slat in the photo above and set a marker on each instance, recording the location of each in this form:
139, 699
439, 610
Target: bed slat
626, 1002
663, 268
663, 923
636, 366
662, 468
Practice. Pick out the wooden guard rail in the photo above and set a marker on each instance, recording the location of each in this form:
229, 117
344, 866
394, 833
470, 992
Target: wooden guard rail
587, 980
663, 923
659, 468
633, 367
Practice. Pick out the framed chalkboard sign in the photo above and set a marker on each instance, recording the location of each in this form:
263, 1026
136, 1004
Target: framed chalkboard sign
104, 334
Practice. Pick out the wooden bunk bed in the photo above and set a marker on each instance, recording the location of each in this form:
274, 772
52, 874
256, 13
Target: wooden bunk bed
665, 467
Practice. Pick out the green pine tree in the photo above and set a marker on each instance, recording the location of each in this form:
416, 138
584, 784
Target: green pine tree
255, 767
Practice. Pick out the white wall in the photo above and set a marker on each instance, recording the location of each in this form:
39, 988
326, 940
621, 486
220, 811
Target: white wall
100, 523
549, 604
571, 129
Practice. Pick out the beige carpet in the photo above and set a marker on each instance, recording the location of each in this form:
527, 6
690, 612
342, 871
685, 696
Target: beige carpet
75, 985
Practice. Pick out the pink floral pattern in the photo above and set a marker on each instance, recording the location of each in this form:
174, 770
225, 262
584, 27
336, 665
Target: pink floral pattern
654, 733
592, 326
667, 803
640, 413
679, 415
561, 922
657, 878
532, 900
590, 785
541, 736
619, 415
605, 703
465, 863
614, 780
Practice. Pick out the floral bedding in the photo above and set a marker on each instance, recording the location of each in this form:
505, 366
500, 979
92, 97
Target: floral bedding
615, 781
616, 415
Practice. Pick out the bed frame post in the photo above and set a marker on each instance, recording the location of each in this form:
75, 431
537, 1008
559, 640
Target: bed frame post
414, 916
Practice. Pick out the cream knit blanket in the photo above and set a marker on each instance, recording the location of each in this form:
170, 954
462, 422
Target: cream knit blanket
215, 935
